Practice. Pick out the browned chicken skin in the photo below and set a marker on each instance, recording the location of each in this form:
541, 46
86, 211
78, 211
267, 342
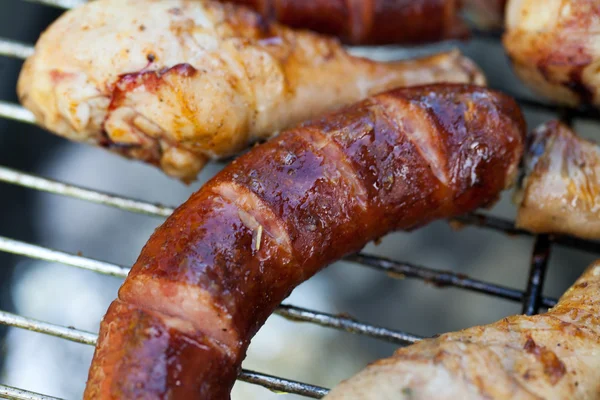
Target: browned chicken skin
555, 48
215, 270
552, 356
178, 82
560, 192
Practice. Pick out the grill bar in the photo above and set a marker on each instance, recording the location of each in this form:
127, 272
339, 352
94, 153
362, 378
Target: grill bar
347, 324
440, 278
42, 253
63, 332
443, 278
287, 311
37, 182
15, 112
75, 335
508, 228
8, 392
392, 268
51, 186
20, 50
277, 384
64, 4
537, 273
11, 48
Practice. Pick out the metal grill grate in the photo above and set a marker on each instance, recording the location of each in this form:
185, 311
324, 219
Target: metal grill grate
532, 299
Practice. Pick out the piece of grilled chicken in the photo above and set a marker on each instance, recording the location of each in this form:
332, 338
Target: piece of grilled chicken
554, 46
552, 356
178, 82
560, 189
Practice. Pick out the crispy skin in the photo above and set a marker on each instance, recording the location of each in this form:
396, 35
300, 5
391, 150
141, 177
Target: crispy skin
177, 82
560, 192
369, 21
555, 48
218, 267
548, 356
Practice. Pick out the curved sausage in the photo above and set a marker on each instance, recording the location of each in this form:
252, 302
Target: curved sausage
215, 270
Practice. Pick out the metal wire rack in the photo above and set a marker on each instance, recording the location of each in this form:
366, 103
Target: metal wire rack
532, 299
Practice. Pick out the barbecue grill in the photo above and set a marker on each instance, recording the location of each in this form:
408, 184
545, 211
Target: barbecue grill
532, 298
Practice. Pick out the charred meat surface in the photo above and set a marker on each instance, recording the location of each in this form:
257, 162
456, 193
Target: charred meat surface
552, 356
175, 83
554, 46
560, 190
216, 269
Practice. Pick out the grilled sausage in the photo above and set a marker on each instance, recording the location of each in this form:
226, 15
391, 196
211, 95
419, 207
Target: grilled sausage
376, 22
560, 191
215, 270
552, 356
177, 82
369, 21
553, 45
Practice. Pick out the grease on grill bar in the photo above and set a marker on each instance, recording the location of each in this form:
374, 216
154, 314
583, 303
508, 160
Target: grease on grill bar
75, 335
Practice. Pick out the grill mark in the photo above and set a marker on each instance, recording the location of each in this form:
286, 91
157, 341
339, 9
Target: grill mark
510, 375
581, 329
204, 312
254, 212
333, 151
168, 315
420, 130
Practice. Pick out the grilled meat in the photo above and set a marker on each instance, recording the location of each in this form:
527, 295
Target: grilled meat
216, 269
369, 21
177, 82
560, 191
550, 356
554, 47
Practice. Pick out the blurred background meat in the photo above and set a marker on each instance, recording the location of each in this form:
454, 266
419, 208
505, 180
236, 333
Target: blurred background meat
70, 297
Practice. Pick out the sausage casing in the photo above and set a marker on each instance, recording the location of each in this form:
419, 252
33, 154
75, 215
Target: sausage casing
216, 269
